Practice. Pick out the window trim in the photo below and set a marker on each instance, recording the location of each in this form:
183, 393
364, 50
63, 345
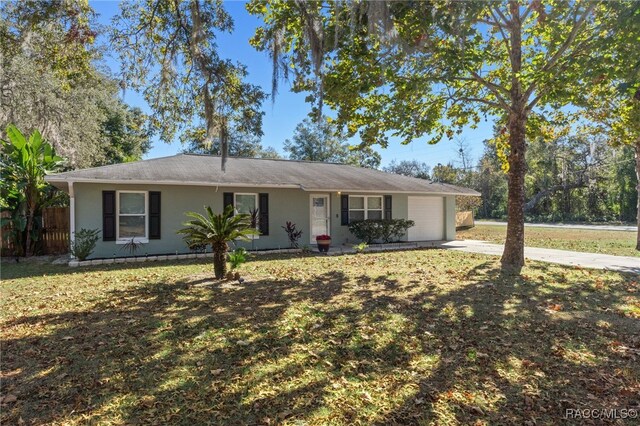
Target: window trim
365, 207
125, 240
256, 207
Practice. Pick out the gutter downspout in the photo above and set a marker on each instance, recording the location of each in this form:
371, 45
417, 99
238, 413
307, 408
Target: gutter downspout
72, 216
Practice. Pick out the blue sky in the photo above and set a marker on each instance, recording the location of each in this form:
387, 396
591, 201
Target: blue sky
289, 108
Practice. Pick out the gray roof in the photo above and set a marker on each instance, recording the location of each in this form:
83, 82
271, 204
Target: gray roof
190, 169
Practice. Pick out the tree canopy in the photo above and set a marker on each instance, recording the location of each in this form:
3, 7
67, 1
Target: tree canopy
431, 69
240, 145
168, 51
51, 82
315, 140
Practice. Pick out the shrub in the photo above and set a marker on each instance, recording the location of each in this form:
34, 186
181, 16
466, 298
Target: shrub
398, 228
360, 248
132, 246
84, 242
237, 257
367, 230
387, 230
293, 234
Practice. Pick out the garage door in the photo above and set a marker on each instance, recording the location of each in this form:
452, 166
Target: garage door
428, 214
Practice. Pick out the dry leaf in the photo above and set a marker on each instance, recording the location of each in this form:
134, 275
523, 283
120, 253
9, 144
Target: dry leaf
9, 399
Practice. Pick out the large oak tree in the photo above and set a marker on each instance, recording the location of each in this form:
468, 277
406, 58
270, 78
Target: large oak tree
416, 69
168, 51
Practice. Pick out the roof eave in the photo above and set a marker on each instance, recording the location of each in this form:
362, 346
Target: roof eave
62, 183
52, 180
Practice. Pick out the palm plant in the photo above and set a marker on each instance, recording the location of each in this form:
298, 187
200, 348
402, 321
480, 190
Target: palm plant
217, 230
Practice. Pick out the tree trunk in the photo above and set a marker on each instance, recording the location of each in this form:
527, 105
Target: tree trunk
219, 260
638, 189
30, 213
513, 255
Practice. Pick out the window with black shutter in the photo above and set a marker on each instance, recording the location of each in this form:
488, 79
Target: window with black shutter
344, 210
263, 212
227, 200
387, 207
154, 215
108, 215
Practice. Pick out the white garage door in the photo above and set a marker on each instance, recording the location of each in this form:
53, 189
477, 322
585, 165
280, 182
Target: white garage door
428, 214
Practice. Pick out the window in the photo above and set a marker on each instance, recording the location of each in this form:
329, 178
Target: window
132, 215
363, 207
246, 203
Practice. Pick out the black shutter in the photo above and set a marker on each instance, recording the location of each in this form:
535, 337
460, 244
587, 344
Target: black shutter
227, 200
108, 215
154, 215
387, 207
344, 210
263, 211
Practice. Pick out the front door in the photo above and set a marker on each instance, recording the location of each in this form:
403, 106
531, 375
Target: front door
320, 216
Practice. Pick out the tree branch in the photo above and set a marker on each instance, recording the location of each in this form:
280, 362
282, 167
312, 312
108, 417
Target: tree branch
501, 15
563, 48
581, 183
493, 88
483, 101
527, 11
505, 39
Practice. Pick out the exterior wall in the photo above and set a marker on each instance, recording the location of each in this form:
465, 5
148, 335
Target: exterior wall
450, 218
284, 205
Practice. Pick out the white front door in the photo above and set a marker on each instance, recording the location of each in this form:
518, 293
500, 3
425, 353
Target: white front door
320, 216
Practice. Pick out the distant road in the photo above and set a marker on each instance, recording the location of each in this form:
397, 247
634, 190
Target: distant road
568, 226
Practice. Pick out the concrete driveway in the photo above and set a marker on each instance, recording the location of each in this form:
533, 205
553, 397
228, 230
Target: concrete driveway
624, 228
562, 257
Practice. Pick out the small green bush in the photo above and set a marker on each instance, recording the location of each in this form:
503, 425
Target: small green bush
395, 229
386, 230
367, 230
360, 248
237, 257
84, 242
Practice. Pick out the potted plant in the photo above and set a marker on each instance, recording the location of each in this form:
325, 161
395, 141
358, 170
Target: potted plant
324, 241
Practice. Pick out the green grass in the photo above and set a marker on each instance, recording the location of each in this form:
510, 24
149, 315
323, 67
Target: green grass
617, 243
416, 337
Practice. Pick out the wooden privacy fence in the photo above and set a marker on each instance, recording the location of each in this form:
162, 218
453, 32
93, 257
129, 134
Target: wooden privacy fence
54, 235
464, 219
6, 245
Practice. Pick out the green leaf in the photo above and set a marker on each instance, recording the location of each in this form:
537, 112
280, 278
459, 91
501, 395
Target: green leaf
16, 137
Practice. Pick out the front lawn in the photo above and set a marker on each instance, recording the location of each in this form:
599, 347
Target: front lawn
617, 243
415, 337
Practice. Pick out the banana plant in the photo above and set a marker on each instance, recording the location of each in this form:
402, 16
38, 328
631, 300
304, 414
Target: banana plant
25, 163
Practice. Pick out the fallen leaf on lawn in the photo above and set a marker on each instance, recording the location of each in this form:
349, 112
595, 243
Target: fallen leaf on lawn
476, 410
217, 371
67, 338
242, 343
9, 399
